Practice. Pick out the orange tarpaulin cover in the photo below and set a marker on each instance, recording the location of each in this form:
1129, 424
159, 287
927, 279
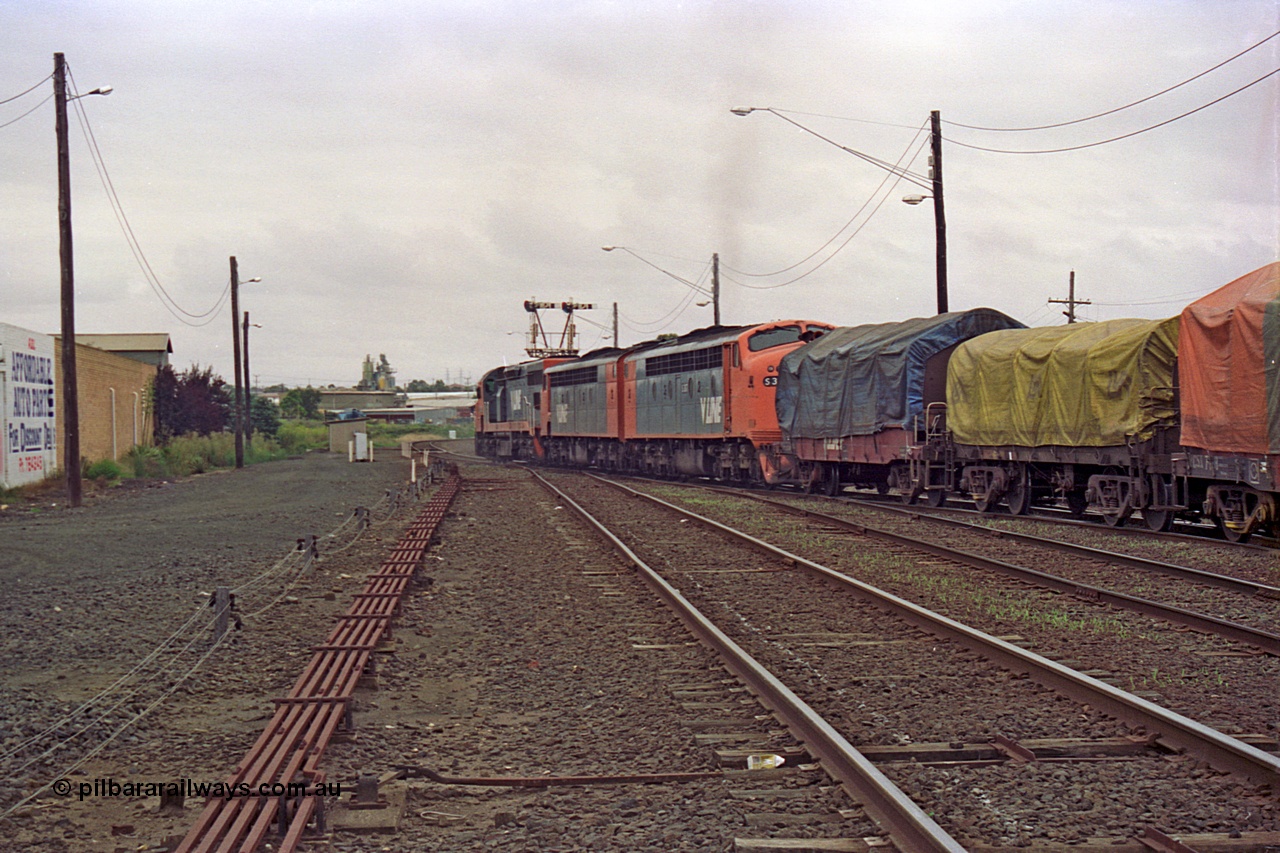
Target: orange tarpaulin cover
1227, 366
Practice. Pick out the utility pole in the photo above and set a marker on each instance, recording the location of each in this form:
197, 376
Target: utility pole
615, 325
939, 216
1071, 302
70, 392
715, 287
237, 416
248, 393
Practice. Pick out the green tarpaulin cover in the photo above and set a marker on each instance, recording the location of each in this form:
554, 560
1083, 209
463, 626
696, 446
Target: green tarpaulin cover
1080, 385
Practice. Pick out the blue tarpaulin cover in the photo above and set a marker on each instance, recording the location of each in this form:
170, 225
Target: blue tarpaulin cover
858, 380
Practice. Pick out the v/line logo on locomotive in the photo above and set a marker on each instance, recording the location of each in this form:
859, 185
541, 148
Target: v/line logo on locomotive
712, 409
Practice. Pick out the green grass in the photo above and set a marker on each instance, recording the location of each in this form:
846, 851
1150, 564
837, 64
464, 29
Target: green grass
300, 436
390, 435
197, 454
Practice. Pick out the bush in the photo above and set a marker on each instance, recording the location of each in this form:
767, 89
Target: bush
105, 469
147, 462
300, 436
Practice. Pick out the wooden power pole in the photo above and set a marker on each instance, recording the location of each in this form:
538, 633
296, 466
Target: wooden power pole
1071, 302
70, 393
939, 216
715, 287
236, 415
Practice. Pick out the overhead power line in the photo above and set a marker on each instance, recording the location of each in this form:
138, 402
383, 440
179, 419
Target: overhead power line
1126, 106
1217, 100
117, 208
28, 112
27, 91
897, 172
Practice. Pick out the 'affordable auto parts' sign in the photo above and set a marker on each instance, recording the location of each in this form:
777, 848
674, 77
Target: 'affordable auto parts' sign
27, 389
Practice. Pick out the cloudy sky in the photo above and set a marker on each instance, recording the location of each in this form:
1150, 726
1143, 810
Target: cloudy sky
403, 175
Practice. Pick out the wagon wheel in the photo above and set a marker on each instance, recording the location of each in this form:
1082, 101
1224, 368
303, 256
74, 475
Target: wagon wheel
1237, 536
936, 497
1158, 520
1019, 494
911, 494
831, 480
1077, 503
984, 503
882, 487
1117, 519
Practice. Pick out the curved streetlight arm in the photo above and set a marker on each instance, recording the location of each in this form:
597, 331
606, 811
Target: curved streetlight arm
101, 90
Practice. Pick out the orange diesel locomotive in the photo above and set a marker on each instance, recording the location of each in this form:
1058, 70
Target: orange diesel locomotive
701, 404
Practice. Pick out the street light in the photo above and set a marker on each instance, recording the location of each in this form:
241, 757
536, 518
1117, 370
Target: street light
934, 183
70, 390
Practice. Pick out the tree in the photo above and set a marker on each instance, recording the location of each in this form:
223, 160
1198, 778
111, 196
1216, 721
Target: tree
194, 401
418, 386
264, 415
300, 403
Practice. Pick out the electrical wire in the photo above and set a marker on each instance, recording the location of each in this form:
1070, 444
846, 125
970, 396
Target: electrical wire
135, 247
1177, 297
681, 306
665, 272
1126, 106
1123, 135
662, 323
28, 112
897, 178
895, 170
846, 118
919, 180
28, 91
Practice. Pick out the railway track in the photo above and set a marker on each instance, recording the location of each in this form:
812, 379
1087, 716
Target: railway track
1196, 673
1164, 727
1060, 517
1212, 602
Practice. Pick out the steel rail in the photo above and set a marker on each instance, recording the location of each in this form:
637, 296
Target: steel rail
294, 741
1183, 530
905, 822
1213, 579
1265, 641
1174, 730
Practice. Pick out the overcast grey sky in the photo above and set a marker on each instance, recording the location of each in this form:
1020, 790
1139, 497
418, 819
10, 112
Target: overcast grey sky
402, 175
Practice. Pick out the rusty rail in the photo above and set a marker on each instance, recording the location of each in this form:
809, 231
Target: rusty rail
291, 747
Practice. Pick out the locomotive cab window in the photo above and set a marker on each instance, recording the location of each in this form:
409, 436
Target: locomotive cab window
773, 337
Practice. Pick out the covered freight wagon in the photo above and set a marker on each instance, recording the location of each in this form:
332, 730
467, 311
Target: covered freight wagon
852, 403
1229, 363
1084, 411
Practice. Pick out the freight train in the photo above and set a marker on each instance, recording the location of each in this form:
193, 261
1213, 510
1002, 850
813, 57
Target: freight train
1177, 418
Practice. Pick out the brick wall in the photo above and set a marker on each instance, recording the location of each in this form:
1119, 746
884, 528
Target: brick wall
97, 372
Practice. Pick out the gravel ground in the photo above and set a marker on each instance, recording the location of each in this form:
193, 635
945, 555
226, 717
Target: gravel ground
523, 651
534, 653
1206, 678
89, 592
883, 682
